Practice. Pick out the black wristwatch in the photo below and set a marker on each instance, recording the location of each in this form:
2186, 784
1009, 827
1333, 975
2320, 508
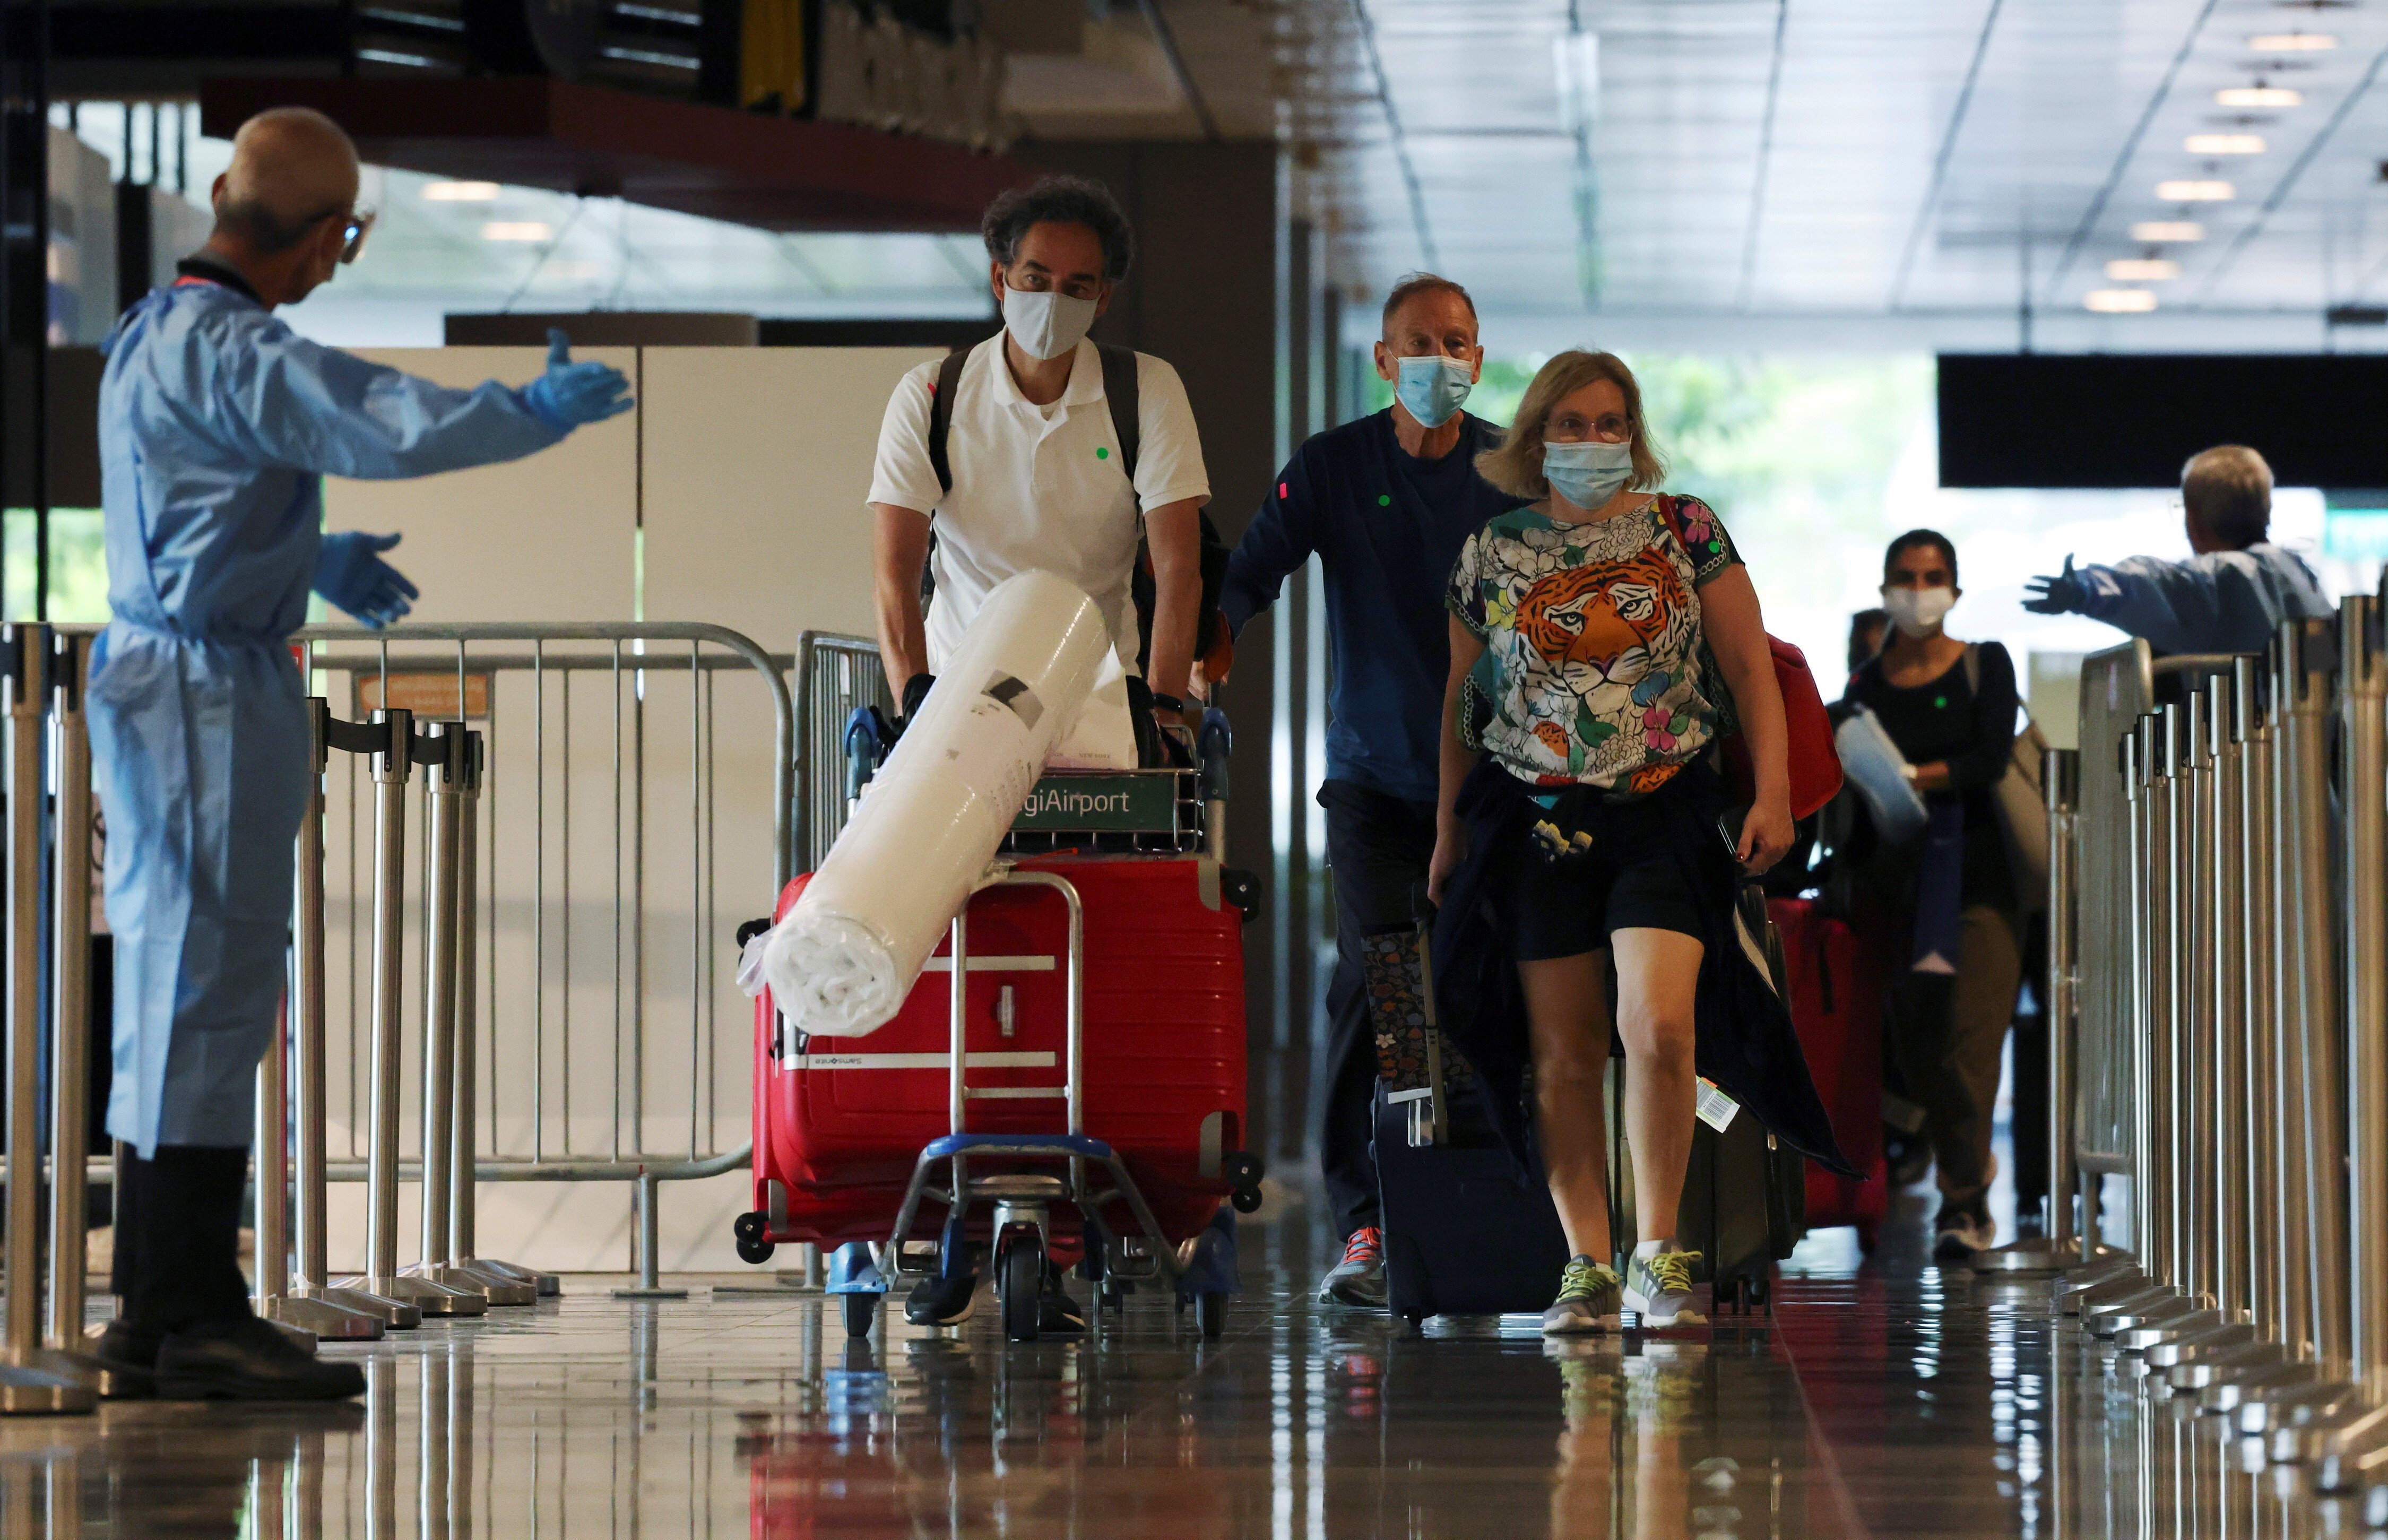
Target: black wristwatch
1166, 702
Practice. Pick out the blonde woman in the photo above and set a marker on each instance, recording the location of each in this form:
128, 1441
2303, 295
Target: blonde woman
1600, 638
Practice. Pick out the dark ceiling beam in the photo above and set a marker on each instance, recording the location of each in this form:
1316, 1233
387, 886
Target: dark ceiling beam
777, 173
79, 33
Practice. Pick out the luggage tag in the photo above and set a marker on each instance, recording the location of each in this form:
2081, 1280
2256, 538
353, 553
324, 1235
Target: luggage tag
1715, 1108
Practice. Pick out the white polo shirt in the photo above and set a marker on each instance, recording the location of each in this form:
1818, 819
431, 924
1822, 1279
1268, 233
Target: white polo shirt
1037, 487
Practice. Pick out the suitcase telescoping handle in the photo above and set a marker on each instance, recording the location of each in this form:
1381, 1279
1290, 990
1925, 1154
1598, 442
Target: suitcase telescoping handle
1429, 1121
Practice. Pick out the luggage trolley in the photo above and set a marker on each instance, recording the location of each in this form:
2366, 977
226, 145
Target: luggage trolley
1035, 1194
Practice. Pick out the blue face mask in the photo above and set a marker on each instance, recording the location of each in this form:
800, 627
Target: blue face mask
1431, 388
1587, 473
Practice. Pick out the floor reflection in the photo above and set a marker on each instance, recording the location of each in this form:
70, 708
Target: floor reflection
1902, 1401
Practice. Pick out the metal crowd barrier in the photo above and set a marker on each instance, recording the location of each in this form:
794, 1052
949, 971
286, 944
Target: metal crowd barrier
2219, 998
623, 775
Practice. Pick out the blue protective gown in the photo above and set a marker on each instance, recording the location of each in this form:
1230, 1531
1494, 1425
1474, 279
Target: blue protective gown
216, 424
2222, 601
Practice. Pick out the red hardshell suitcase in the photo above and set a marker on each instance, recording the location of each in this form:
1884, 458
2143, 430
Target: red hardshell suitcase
1836, 989
840, 1123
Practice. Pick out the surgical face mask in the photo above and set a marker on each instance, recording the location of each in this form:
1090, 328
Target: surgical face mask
1045, 322
1587, 473
1918, 611
1431, 388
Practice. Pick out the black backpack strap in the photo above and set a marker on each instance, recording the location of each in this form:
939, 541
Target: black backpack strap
940, 414
1119, 390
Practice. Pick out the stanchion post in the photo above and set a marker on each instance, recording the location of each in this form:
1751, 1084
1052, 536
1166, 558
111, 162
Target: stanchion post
391, 764
2194, 1018
2294, 1216
2060, 778
444, 751
2318, 1016
2229, 705
2364, 744
311, 1300
70, 993
506, 1281
2138, 744
34, 1378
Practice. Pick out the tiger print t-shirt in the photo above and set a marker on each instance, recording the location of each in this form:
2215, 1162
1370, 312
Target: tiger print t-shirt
1593, 673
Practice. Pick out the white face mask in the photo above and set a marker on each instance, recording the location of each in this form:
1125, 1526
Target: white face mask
1046, 323
1918, 611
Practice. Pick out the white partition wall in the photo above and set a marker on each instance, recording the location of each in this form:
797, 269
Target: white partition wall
551, 537
757, 463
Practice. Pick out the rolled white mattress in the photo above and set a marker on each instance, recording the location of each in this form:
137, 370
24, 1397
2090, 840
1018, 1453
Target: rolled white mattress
842, 959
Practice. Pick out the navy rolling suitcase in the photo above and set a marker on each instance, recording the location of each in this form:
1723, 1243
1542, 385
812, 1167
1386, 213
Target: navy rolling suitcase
1464, 1235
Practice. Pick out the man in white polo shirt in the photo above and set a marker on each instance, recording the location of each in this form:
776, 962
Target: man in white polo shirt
1051, 448
1038, 451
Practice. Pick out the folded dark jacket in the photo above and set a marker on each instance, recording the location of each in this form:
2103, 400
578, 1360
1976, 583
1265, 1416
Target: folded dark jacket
1746, 1042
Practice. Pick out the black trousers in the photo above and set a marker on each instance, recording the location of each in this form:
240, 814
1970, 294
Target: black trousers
1378, 846
178, 1237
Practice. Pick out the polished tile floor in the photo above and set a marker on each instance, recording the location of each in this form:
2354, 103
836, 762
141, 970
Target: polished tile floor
1891, 1400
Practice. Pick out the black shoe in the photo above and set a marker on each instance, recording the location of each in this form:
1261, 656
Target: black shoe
1961, 1236
131, 1358
249, 1360
1058, 1314
941, 1301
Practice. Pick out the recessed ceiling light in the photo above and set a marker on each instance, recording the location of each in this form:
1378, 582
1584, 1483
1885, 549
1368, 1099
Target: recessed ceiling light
2119, 302
2142, 270
2224, 144
2259, 95
459, 192
516, 230
2196, 192
2153, 230
2291, 43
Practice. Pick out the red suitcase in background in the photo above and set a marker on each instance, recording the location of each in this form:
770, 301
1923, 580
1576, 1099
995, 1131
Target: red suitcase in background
1835, 987
841, 1122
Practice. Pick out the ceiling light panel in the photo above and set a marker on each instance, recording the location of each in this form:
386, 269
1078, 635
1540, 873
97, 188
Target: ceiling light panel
2190, 191
516, 230
2259, 95
2156, 230
2291, 43
2224, 144
2142, 270
2119, 302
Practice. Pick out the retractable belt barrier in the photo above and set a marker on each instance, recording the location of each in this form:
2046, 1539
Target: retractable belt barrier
2219, 1002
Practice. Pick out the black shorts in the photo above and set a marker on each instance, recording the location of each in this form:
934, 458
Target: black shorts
1567, 907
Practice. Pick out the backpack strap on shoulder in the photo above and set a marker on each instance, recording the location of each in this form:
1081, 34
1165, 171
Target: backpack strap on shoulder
1119, 392
940, 414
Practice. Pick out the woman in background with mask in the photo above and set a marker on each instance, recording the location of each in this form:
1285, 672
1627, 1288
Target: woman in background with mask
1600, 638
1951, 707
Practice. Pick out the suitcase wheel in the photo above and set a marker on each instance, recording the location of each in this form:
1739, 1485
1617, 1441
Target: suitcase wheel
1019, 1282
1246, 1198
861, 1312
752, 1230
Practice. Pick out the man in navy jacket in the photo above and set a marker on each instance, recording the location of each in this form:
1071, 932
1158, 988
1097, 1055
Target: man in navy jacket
1384, 504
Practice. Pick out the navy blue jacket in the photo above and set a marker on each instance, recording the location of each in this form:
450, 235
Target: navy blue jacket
1387, 529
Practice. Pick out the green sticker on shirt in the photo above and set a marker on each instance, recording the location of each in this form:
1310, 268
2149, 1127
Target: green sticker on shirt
1102, 455
1384, 500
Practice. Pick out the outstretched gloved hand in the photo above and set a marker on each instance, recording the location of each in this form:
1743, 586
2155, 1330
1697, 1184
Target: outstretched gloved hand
350, 574
570, 394
2062, 594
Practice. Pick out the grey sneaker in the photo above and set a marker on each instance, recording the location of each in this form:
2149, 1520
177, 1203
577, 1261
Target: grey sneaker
1659, 1289
1359, 1280
1588, 1299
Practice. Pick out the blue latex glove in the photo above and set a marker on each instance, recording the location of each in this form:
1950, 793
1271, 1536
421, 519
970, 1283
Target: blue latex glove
2062, 594
350, 574
570, 394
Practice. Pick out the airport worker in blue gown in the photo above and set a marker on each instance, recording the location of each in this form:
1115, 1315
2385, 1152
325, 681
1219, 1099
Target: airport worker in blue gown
217, 423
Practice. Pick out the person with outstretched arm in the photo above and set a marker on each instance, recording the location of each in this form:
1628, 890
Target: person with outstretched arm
1384, 504
2229, 596
217, 425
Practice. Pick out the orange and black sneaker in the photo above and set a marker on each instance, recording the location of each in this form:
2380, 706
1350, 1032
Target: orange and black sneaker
1359, 1280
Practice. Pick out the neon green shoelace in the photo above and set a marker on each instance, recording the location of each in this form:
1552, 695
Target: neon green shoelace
1672, 1271
1583, 1279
